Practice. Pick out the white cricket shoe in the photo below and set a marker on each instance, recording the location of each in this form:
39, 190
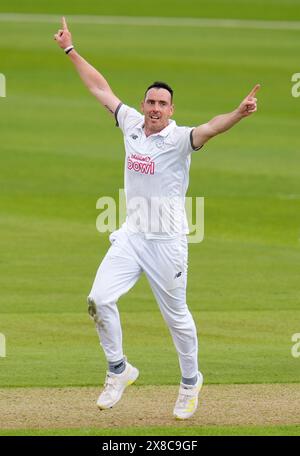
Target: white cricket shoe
187, 400
115, 385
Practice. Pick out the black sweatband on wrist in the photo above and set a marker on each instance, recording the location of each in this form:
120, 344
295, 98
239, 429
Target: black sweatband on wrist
68, 49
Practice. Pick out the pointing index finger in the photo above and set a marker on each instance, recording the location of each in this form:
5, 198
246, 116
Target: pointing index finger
254, 91
64, 24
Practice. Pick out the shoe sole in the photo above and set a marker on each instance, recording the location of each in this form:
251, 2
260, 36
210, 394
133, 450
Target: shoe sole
130, 382
181, 418
178, 418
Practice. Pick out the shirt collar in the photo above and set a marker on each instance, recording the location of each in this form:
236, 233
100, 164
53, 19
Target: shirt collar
163, 132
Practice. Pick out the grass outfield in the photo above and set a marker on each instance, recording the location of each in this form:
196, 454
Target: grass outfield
188, 431
242, 9
60, 349
60, 152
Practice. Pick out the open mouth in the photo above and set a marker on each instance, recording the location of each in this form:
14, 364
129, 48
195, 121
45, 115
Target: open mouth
154, 117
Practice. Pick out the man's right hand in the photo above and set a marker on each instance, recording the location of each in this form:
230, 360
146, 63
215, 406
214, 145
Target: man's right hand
63, 36
92, 79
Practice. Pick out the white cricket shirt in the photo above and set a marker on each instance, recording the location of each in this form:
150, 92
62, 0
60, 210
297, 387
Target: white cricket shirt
156, 176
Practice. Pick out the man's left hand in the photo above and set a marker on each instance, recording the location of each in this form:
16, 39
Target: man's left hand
249, 104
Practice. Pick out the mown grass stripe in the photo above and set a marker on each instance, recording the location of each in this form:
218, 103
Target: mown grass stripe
154, 21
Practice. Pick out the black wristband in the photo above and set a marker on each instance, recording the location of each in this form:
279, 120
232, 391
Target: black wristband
69, 49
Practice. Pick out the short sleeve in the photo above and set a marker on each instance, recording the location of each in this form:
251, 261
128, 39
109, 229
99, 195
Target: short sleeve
191, 141
127, 117
184, 140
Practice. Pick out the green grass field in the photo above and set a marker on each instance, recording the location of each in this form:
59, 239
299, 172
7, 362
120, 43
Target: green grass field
60, 152
170, 431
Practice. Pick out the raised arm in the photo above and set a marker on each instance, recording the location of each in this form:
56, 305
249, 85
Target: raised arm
223, 122
94, 80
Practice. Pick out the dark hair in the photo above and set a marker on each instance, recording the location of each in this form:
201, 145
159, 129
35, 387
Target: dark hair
160, 85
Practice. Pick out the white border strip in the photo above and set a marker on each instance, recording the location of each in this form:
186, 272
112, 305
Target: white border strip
152, 21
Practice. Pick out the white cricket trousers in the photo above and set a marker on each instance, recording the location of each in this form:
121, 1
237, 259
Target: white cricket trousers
165, 264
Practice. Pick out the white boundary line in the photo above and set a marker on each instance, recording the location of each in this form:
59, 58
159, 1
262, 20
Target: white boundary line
152, 21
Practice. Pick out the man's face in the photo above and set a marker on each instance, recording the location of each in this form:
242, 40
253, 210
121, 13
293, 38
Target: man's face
157, 108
